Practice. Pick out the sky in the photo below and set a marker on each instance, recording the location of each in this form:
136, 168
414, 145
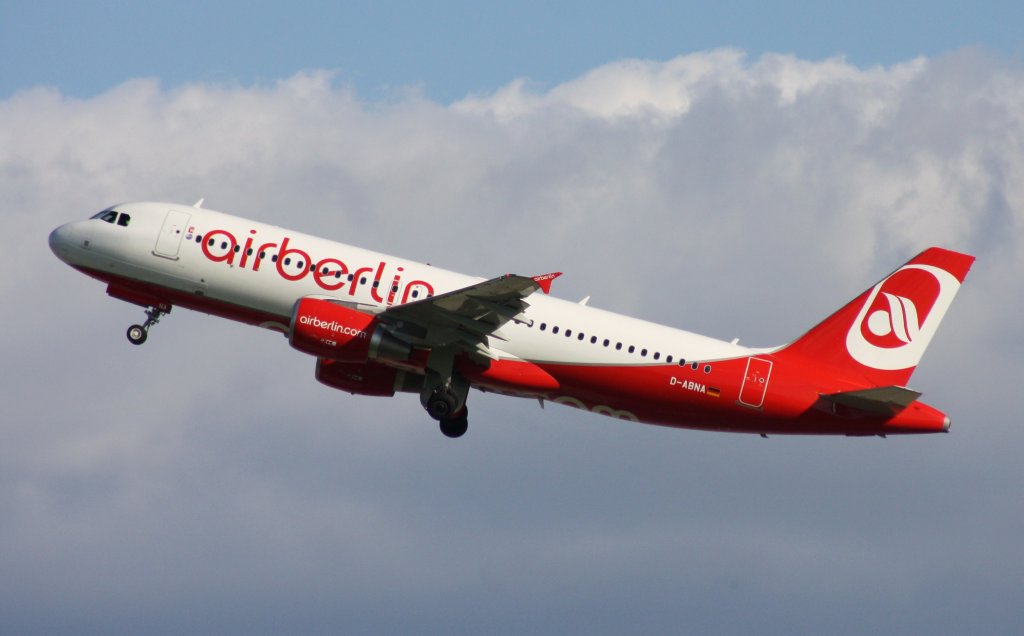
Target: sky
740, 171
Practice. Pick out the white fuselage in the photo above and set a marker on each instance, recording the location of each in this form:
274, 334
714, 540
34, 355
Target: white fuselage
171, 257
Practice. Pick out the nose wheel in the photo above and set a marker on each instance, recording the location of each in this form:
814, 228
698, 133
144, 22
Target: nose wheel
137, 333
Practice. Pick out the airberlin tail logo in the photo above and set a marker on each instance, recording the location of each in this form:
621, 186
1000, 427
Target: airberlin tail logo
900, 319
900, 316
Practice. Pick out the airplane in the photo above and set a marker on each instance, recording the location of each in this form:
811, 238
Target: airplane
379, 324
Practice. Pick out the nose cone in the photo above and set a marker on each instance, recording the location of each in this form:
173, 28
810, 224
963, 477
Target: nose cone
63, 241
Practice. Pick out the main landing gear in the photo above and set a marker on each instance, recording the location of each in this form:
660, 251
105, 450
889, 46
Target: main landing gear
455, 426
443, 405
137, 333
444, 394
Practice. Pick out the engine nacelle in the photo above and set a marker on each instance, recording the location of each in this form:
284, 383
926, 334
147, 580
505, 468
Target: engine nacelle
366, 379
329, 330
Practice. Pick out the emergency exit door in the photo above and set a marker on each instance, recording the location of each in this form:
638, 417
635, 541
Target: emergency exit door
169, 241
755, 382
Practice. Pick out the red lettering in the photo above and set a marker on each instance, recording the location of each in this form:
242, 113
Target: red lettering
280, 262
259, 255
427, 288
394, 286
355, 279
229, 256
328, 273
319, 274
246, 249
375, 288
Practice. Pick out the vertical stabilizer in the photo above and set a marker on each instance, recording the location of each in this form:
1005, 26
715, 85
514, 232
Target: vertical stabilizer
882, 334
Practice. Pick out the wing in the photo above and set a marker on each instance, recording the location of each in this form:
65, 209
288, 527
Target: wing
467, 317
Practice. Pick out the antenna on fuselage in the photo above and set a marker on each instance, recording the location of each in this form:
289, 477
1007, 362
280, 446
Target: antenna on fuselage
199, 203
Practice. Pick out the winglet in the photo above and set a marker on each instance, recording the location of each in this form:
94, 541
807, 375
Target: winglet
545, 280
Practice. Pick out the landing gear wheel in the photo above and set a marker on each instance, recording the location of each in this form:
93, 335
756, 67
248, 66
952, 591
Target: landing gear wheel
441, 406
136, 334
455, 426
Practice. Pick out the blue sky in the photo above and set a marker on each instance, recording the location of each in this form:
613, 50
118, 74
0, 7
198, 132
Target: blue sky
449, 49
206, 483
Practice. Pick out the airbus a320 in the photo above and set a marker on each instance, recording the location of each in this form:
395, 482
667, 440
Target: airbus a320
379, 324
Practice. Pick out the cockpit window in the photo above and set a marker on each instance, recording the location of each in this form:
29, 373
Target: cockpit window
113, 217
107, 215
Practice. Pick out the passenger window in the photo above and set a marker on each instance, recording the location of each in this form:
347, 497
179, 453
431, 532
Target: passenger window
668, 360
632, 348
543, 326
707, 368
554, 329
695, 365
593, 339
607, 342
568, 333
618, 346
643, 353
657, 355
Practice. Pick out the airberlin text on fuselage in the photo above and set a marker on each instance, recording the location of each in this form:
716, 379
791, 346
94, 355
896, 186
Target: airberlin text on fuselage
331, 274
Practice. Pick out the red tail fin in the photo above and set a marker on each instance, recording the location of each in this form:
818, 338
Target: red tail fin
882, 333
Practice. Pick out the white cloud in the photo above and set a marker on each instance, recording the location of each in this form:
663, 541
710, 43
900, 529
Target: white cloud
735, 197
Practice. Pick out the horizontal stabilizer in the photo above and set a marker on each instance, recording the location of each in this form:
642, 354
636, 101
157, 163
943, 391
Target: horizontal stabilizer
883, 400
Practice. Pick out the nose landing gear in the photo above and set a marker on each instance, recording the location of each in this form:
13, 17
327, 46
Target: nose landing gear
137, 333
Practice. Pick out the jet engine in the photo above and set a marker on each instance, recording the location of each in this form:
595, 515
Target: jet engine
366, 379
328, 329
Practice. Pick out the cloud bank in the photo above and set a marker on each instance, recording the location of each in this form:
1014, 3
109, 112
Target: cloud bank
206, 482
